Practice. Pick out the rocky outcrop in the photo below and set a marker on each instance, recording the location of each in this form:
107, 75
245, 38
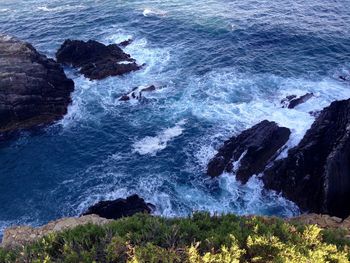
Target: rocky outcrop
292, 101
136, 93
120, 207
253, 148
95, 60
316, 173
20, 235
33, 89
323, 221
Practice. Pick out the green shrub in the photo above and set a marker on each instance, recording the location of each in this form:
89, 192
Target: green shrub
198, 239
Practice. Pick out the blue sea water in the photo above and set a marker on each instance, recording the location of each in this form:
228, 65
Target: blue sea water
223, 66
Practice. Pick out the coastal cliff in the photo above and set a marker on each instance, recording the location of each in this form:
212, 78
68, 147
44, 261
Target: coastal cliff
34, 89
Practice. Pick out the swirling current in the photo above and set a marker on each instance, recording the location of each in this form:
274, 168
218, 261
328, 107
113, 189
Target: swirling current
223, 66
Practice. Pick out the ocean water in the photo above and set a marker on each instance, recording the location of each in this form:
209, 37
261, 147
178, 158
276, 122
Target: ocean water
222, 66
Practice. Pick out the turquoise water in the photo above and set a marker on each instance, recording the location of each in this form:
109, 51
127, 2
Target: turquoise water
223, 66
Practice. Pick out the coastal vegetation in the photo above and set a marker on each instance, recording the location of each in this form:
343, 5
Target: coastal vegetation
199, 238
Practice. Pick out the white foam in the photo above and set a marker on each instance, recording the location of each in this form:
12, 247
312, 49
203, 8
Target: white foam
125, 62
251, 198
152, 145
236, 101
116, 35
153, 12
61, 8
4, 10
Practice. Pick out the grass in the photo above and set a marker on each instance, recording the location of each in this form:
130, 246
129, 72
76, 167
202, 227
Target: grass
200, 238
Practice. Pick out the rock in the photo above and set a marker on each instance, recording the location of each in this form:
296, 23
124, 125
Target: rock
136, 93
323, 221
120, 207
316, 173
96, 60
292, 101
253, 148
21, 235
343, 78
125, 43
34, 90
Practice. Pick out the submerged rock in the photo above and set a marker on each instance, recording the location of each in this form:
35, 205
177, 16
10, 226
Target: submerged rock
34, 90
125, 42
254, 149
96, 60
21, 235
316, 173
120, 207
292, 101
136, 93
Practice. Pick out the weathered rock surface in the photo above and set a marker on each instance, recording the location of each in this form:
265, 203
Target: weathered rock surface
20, 235
96, 60
33, 89
120, 207
316, 173
292, 101
323, 221
136, 93
253, 148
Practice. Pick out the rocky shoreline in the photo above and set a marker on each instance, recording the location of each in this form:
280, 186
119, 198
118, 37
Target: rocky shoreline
34, 92
316, 173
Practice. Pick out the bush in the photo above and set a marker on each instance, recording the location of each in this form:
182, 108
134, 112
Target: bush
198, 239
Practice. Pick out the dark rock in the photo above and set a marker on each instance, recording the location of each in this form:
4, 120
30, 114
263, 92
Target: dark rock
292, 101
96, 60
343, 78
120, 208
125, 43
254, 148
316, 173
33, 89
136, 93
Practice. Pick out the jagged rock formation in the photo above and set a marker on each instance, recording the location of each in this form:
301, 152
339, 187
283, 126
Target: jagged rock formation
96, 60
120, 207
316, 173
33, 89
253, 148
20, 235
292, 101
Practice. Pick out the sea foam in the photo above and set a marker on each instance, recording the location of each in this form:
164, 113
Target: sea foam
45, 8
153, 12
151, 145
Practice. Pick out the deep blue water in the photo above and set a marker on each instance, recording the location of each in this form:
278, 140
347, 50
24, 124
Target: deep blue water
223, 65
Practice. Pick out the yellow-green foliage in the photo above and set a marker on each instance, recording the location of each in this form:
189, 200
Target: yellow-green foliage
198, 239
